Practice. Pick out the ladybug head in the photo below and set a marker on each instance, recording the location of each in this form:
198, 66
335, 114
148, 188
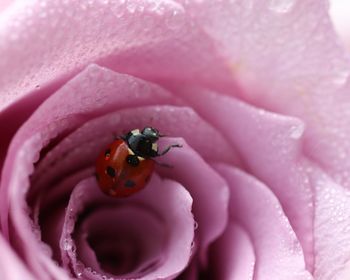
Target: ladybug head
151, 134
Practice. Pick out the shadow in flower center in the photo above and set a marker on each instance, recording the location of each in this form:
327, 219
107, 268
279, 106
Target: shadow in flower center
120, 239
119, 258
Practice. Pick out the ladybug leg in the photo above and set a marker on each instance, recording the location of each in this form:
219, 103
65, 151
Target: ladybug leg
167, 149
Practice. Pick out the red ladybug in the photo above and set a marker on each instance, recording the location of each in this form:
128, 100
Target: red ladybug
126, 165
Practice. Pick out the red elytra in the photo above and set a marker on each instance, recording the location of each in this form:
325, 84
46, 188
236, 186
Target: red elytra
116, 173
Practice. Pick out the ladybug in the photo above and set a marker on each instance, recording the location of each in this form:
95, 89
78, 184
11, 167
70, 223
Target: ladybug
126, 165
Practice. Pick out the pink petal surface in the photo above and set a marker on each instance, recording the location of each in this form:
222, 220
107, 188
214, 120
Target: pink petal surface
11, 267
232, 256
145, 38
252, 204
209, 191
5, 4
332, 228
172, 206
270, 146
26, 236
339, 11
310, 74
191, 272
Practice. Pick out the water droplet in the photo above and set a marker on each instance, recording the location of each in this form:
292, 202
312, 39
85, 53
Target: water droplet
66, 244
174, 21
131, 7
79, 268
296, 131
195, 225
74, 248
281, 6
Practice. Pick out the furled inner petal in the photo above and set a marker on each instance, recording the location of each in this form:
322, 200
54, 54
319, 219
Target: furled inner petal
278, 251
208, 189
50, 209
11, 267
72, 105
271, 147
232, 255
124, 241
118, 240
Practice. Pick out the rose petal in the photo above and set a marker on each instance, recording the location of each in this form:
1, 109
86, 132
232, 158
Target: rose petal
27, 235
270, 146
338, 12
232, 255
191, 272
332, 228
146, 38
11, 267
5, 4
252, 204
310, 74
295, 36
172, 205
205, 186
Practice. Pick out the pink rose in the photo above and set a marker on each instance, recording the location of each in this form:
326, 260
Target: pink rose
255, 91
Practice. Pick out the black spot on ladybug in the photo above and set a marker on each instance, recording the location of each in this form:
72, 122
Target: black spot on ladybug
110, 171
97, 177
132, 160
107, 154
129, 184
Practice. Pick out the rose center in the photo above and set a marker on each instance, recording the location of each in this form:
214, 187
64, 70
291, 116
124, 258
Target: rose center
121, 241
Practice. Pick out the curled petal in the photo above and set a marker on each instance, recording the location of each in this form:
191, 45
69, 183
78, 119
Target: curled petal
232, 255
208, 189
278, 251
169, 210
310, 77
271, 148
11, 267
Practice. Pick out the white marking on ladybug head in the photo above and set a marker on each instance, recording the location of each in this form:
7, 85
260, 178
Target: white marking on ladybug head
135, 132
155, 147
